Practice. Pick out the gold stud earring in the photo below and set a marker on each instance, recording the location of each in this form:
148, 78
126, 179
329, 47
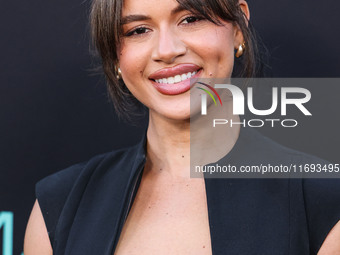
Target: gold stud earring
240, 50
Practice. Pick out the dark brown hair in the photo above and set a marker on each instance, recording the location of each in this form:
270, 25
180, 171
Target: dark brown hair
106, 32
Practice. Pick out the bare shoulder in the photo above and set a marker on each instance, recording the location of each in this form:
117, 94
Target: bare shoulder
37, 241
331, 245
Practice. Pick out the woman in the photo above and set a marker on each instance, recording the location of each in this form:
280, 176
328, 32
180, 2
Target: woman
141, 200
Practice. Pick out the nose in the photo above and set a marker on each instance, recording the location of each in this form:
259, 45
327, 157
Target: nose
168, 47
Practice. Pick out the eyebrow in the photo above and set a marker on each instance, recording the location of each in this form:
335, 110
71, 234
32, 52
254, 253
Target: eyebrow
134, 17
178, 9
139, 17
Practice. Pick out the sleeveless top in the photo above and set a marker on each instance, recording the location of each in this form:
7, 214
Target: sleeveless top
86, 205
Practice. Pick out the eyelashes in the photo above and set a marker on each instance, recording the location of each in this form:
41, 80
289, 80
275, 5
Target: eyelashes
137, 31
143, 30
191, 19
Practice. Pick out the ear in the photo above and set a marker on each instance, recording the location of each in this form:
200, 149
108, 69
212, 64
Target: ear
245, 9
238, 34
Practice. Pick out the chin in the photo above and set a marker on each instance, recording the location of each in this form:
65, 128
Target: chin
176, 115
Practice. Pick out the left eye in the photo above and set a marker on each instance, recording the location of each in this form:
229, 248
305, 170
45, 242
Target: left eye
190, 19
138, 31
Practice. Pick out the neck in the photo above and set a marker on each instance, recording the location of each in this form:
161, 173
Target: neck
168, 145
173, 144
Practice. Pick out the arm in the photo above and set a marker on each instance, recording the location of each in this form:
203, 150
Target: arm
36, 240
331, 245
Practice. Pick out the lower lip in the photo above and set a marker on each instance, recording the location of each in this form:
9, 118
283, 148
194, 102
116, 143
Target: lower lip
175, 88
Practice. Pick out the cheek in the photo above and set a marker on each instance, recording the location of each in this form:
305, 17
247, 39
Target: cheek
220, 44
131, 60
217, 49
132, 63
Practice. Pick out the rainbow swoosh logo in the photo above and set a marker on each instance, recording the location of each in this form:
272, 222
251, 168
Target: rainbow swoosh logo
209, 93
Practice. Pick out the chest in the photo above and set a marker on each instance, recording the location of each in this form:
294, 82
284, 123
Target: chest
170, 218
238, 216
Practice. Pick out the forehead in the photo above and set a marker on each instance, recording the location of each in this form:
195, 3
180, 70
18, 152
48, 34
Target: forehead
148, 6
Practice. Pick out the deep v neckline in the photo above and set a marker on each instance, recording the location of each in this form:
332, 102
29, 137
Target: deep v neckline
135, 179
100, 198
134, 186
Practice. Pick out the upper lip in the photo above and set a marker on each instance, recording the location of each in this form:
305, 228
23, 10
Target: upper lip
173, 71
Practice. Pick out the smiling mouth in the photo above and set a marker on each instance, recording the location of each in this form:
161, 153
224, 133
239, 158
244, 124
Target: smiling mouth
177, 78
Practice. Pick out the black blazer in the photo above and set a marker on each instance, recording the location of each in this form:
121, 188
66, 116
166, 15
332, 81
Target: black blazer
85, 205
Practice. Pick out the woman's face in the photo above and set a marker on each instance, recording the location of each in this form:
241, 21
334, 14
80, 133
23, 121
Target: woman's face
163, 45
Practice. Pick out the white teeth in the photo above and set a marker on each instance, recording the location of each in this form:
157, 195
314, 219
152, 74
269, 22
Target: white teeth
171, 80
184, 77
176, 79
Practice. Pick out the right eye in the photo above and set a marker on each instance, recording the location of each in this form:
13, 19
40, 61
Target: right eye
190, 19
138, 31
